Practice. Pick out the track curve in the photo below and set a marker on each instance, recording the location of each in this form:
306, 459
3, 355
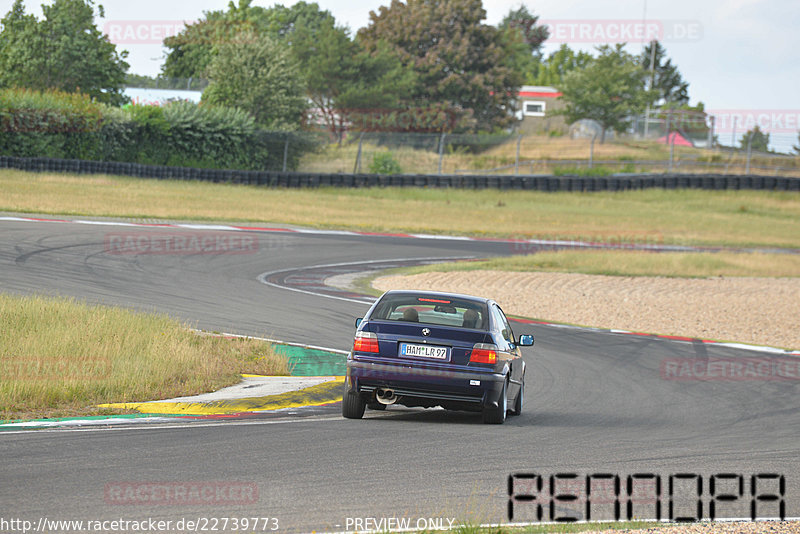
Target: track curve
595, 401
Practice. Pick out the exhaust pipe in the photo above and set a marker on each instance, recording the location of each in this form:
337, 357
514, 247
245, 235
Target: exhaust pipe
385, 396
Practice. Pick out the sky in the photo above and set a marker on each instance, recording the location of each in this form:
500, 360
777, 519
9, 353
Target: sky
740, 57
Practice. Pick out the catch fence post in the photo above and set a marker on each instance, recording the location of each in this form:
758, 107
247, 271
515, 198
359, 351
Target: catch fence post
441, 151
285, 152
749, 152
357, 166
671, 149
711, 134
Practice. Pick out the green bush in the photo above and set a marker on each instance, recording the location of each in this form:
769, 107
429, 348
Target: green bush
213, 137
149, 126
64, 125
384, 163
51, 124
582, 171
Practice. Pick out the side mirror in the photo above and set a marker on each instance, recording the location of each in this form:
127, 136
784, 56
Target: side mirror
526, 340
358, 322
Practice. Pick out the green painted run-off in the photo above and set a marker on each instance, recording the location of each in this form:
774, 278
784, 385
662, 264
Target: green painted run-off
312, 362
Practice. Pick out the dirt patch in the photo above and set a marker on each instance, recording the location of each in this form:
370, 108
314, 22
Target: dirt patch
763, 311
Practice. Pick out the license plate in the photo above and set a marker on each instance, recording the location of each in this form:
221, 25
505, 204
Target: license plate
411, 350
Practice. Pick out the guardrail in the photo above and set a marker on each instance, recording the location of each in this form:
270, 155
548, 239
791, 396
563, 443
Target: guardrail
618, 182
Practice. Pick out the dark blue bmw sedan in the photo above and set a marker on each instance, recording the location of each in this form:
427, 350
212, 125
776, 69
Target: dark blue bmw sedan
435, 349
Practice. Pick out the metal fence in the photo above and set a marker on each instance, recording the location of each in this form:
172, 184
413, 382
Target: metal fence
536, 154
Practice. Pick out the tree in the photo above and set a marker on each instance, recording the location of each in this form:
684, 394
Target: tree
551, 71
797, 146
342, 78
759, 140
64, 51
609, 90
256, 73
524, 39
458, 60
283, 22
525, 22
192, 50
665, 82
16, 38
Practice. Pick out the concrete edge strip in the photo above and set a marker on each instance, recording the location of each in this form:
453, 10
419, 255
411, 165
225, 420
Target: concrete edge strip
94, 420
321, 394
160, 412
317, 231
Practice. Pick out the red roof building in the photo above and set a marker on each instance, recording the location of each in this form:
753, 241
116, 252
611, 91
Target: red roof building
535, 107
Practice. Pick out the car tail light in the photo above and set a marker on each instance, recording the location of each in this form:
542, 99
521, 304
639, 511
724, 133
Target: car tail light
483, 353
365, 342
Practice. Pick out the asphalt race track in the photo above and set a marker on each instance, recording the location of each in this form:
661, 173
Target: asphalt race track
596, 402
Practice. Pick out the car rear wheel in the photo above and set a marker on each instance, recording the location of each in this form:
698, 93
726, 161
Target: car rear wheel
497, 415
520, 399
353, 405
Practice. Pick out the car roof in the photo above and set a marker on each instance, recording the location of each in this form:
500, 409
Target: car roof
439, 294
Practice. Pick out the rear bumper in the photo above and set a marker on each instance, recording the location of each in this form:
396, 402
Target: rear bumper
420, 386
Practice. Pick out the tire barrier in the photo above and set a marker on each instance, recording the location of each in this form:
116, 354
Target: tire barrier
617, 182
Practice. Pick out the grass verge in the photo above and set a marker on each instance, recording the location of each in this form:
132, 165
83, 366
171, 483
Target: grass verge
626, 263
689, 217
60, 357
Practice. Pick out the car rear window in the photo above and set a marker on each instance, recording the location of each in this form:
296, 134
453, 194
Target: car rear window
433, 310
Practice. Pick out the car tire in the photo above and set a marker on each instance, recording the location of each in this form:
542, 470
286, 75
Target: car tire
376, 406
353, 405
497, 415
517, 409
